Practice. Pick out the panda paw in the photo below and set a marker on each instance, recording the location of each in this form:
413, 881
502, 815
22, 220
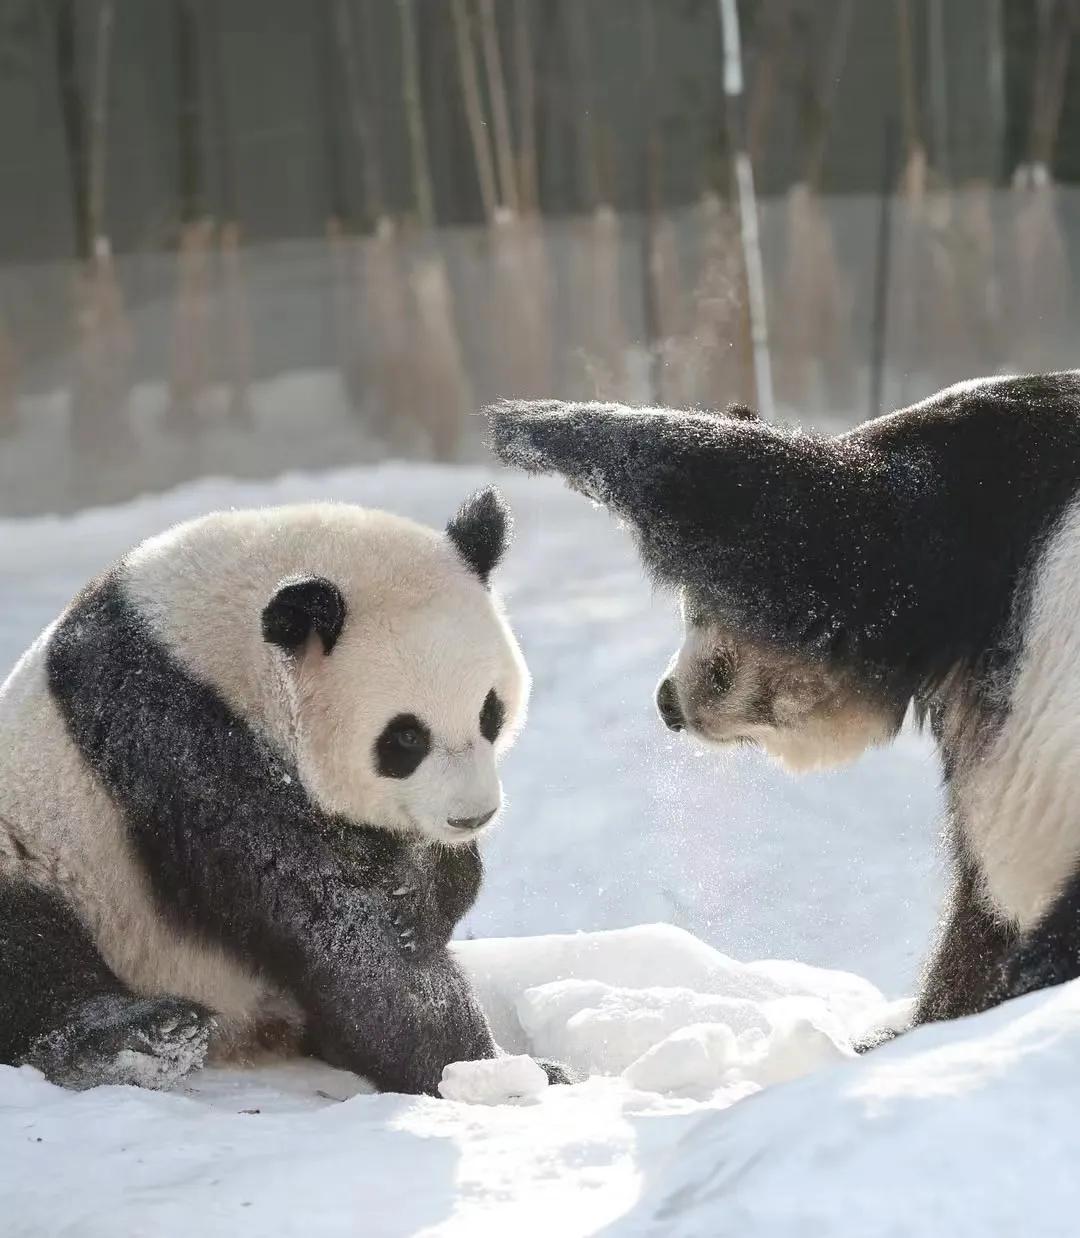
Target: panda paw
557, 1073
1036, 964
874, 1040
412, 921
143, 1042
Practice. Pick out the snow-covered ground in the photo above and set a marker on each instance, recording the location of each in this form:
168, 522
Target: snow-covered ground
695, 1120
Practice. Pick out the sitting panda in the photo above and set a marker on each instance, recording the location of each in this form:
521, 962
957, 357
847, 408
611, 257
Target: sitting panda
241, 782
927, 559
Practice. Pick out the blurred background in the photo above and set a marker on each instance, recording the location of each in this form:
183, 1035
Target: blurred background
244, 236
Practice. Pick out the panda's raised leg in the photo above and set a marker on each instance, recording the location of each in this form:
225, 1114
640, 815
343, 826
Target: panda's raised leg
63, 1010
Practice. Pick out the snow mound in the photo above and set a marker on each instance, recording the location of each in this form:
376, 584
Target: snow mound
959, 1129
501, 1081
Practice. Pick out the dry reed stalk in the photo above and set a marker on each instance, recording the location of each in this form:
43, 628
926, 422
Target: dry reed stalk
520, 307
443, 392
813, 332
191, 325
236, 335
672, 321
720, 360
978, 281
602, 334
1041, 283
104, 351
388, 333
9, 373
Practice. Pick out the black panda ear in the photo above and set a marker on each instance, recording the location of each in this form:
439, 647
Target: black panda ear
300, 608
481, 531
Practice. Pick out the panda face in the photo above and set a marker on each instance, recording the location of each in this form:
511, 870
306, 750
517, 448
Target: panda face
402, 724
368, 649
725, 689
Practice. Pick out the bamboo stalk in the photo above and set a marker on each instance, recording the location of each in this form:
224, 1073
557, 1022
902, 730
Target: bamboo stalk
528, 166
474, 108
358, 112
423, 191
581, 66
1052, 63
99, 126
825, 89
73, 114
500, 111
748, 213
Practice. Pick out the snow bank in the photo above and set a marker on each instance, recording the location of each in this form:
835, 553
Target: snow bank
691, 1129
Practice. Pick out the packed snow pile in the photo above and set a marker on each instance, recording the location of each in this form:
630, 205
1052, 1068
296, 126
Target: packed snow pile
689, 1124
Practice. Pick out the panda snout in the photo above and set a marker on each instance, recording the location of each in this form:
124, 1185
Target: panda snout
667, 704
469, 824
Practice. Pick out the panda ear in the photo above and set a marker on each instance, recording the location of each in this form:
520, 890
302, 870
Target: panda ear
300, 608
481, 531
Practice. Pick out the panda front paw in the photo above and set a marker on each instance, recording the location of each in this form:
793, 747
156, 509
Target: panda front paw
557, 1073
413, 922
881, 1036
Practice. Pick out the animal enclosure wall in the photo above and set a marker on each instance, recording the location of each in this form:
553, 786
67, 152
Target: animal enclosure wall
133, 373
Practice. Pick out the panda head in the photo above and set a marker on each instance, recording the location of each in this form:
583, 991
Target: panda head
689, 485
370, 648
724, 688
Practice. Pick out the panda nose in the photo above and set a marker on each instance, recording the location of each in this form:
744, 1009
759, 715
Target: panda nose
471, 823
667, 703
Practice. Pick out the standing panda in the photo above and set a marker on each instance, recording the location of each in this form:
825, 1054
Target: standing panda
927, 559
241, 782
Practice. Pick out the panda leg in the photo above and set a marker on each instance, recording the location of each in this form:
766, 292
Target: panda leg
63, 1010
964, 968
1049, 953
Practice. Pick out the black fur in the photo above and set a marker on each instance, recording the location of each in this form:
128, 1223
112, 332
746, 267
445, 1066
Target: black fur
75, 1017
481, 531
402, 746
902, 550
492, 717
239, 854
300, 608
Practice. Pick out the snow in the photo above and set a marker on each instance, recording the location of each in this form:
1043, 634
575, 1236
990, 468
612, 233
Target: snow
723, 1097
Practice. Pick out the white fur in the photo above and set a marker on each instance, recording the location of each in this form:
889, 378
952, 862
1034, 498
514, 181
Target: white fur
823, 718
1021, 803
422, 635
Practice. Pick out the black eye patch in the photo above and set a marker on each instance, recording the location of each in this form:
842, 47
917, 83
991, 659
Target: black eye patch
492, 717
403, 744
721, 673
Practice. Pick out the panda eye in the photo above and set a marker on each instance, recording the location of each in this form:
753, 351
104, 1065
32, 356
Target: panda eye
492, 717
722, 673
401, 747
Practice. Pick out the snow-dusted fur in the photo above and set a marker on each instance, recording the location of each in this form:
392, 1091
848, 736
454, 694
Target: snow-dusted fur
241, 780
928, 559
